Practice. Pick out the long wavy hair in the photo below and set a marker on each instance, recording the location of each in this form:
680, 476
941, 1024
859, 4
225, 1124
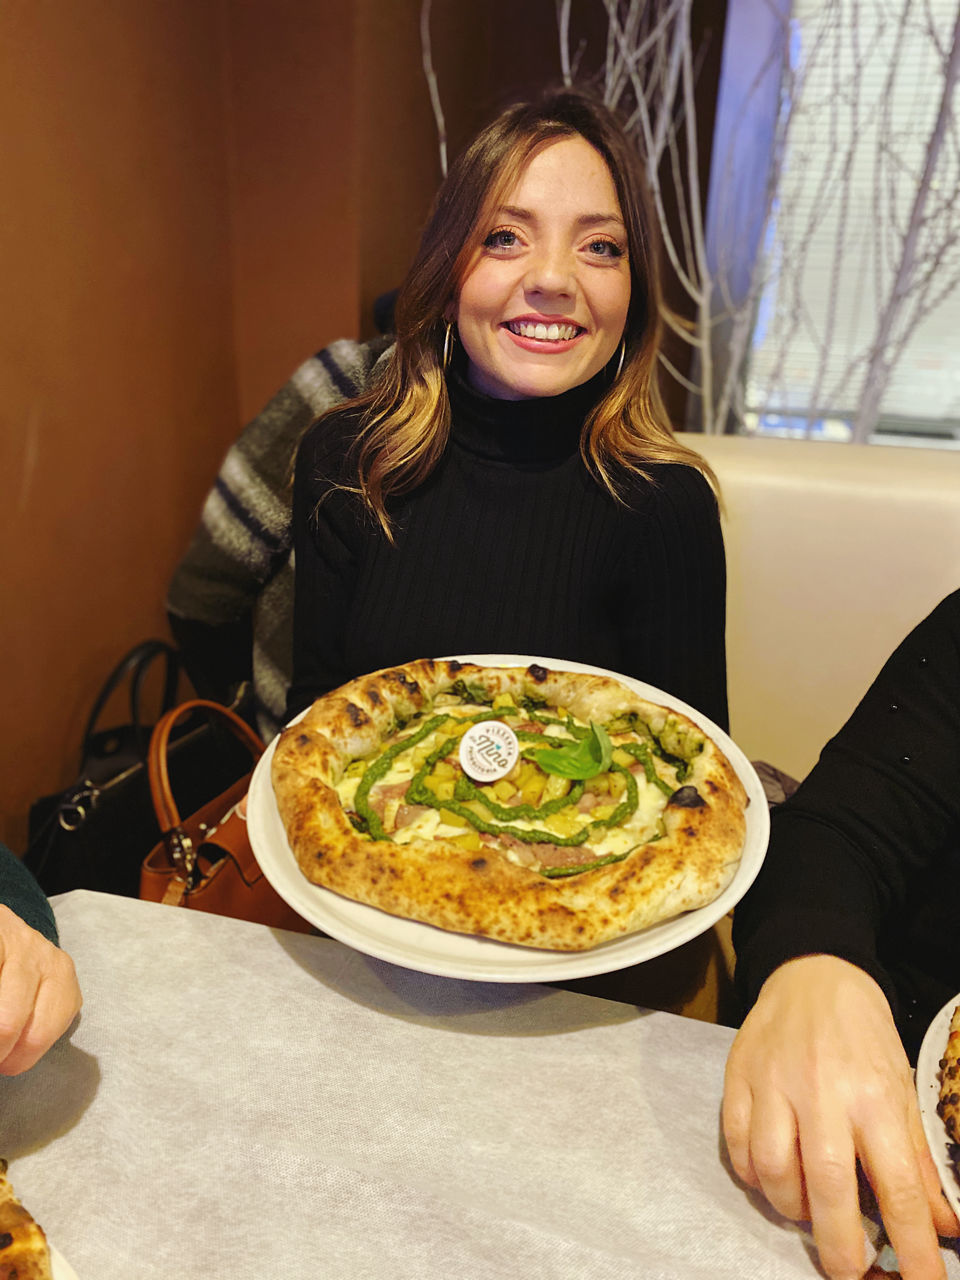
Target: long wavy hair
405, 422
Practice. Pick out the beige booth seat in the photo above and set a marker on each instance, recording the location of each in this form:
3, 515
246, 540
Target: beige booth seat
834, 552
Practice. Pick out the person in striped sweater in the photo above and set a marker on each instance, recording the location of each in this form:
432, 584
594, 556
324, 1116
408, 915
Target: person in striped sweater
230, 602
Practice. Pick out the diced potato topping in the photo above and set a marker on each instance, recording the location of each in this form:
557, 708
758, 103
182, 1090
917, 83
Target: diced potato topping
355, 769
623, 758
618, 786
565, 823
532, 790
443, 769
554, 787
503, 790
602, 811
469, 840
442, 788
453, 819
504, 700
456, 728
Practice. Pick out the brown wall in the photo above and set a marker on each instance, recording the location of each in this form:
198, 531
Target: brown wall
116, 362
169, 169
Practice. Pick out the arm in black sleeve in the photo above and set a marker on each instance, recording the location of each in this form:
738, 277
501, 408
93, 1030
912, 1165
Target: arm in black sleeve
882, 803
217, 657
325, 524
20, 892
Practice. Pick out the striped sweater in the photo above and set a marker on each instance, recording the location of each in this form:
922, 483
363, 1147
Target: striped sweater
234, 586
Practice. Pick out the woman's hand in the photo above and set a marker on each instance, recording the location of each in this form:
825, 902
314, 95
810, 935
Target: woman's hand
39, 994
817, 1078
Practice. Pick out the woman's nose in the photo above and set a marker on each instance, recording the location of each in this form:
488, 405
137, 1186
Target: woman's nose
550, 270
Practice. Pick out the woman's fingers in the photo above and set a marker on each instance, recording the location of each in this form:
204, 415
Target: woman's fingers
944, 1219
736, 1114
775, 1155
56, 1003
39, 994
892, 1164
18, 990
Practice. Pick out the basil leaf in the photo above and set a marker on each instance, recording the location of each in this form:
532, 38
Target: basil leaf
579, 760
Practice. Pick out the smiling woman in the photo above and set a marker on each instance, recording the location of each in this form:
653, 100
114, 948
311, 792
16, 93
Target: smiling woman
544, 305
510, 483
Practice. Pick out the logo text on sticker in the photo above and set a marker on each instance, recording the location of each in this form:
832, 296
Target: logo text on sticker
488, 751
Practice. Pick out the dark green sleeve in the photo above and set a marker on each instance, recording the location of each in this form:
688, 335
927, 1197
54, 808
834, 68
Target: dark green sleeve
21, 893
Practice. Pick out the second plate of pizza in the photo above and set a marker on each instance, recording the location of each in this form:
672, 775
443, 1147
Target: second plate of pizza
937, 1048
554, 808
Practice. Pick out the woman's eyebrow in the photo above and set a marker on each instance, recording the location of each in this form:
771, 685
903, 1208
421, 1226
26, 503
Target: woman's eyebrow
583, 221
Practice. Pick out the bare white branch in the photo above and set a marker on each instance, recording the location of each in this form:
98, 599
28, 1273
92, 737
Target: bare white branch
426, 48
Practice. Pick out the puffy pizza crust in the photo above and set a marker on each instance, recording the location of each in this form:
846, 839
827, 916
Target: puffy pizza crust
24, 1254
440, 883
949, 1103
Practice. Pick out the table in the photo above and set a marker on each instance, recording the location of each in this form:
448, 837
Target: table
238, 1102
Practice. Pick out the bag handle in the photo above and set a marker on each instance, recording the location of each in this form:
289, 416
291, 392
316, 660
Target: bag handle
165, 807
134, 665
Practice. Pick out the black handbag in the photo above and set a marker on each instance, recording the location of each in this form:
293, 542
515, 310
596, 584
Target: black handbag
95, 833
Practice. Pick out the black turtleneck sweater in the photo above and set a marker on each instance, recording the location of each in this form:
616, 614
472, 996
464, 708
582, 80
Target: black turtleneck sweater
510, 546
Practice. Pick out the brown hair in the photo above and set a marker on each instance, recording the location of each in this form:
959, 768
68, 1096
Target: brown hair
406, 422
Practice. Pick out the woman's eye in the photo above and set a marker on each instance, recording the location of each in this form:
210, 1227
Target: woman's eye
501, 239
606, 249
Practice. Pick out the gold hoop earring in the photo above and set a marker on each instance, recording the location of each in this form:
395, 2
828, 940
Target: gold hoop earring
623, 352
447, 346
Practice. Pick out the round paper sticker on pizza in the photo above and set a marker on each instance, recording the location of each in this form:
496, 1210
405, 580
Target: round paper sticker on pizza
615, 814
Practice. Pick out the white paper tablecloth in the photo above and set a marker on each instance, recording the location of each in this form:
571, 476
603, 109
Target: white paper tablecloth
239, 1103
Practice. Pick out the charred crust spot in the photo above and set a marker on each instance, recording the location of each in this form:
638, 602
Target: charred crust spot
408, 682
453, 666
711, 786
537, 673
357, 715
691, 832
616, 891
6, 1240
374, 697
687, 798
303, 740
478, 863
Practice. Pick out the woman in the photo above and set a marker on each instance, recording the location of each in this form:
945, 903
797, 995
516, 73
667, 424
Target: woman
511, 484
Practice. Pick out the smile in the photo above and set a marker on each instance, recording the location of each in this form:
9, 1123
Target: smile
543, 332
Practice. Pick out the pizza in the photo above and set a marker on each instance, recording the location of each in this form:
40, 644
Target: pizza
615, 814
948, 1107
24, 1254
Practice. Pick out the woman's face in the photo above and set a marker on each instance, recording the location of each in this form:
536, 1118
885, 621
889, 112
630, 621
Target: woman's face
544, 306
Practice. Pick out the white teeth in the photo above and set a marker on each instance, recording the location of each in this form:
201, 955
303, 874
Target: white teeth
545, 332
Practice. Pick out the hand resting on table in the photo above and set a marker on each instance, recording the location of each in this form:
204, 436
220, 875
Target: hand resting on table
39, 994
817, 1079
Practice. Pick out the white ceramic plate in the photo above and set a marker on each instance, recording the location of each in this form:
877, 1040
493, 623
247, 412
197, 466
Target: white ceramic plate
928, 1092
61, 1268
456, 955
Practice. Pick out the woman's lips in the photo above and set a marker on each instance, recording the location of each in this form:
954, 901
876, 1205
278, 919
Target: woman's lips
539, 335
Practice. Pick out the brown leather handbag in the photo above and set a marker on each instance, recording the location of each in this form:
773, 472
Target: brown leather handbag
205, 861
